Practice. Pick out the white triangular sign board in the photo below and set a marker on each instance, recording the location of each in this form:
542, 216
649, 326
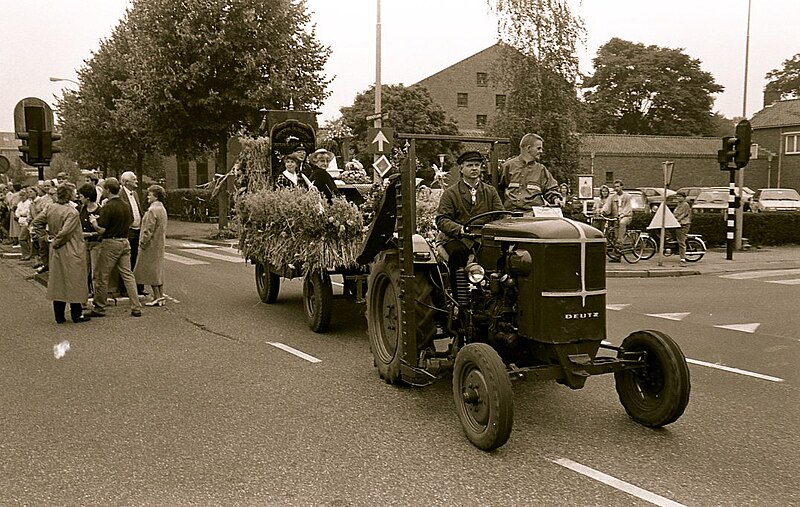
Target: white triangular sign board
669, 221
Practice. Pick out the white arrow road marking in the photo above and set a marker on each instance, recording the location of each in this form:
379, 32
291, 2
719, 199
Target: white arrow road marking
621, 485
734, 370
748, 275
669, 316
183, 260
794, 281
212, 255
745, 328
296, 352
616, 308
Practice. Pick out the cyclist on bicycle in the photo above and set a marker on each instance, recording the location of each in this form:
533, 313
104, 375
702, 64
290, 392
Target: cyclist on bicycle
619, 206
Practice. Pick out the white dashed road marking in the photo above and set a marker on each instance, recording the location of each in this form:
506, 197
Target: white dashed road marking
794, 281
745, 328
668, 316
296, 352
749, 275
621, 485
183, 260
734, 370
212, 255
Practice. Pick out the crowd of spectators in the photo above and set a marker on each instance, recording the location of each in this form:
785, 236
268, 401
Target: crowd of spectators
83, 243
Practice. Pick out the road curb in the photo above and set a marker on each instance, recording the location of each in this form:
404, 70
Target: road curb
647, 273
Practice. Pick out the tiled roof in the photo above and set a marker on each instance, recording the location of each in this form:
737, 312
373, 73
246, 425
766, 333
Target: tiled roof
783, 113
621, 144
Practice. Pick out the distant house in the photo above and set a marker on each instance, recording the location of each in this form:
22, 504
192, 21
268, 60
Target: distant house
638, 160
468, 90
776, 130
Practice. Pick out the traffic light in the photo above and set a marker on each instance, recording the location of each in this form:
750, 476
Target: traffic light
743, 132
729, 151
30, 149
49, 146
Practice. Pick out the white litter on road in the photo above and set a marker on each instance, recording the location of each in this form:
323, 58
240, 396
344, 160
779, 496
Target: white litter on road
60, 349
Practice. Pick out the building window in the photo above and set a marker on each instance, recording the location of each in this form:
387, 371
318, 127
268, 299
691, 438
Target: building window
483, 78
183, 173
500, 101
792, 146
462, 100
480, 121
610, 178
202, 171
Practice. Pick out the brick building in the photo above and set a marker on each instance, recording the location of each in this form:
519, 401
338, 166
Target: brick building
467, 90
776, 130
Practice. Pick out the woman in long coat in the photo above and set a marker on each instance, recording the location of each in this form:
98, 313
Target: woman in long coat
149, 268
66, 282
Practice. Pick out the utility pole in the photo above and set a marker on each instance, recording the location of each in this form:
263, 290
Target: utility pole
740, 209
377, 122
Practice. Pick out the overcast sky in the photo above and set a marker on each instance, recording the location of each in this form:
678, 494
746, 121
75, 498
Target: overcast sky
43, 38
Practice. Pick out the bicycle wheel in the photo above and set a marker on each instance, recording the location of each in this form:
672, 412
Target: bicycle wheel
632, 248
694, 250
649, 247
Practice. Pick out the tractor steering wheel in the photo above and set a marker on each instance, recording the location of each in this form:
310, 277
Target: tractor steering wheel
488, 214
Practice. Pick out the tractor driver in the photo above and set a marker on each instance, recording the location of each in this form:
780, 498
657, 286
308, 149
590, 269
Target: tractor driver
459, 203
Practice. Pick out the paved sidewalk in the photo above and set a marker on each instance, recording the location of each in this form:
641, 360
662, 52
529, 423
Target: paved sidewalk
752, 259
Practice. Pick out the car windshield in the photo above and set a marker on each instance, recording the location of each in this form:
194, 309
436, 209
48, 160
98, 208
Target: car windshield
715, 197
782, 194
637, 200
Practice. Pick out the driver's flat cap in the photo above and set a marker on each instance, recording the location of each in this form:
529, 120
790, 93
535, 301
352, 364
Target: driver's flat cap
469, 156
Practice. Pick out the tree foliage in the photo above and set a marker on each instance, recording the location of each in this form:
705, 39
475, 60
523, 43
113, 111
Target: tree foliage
638, 89
410, 109
786, 80
539, 70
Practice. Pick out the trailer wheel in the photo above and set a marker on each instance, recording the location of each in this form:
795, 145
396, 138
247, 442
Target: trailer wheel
318, 300
657, 394
384, 307
268, 284
483, 396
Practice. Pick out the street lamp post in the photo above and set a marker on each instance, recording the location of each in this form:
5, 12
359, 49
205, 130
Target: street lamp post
56, 79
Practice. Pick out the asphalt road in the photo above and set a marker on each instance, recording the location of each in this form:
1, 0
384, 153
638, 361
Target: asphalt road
192, 404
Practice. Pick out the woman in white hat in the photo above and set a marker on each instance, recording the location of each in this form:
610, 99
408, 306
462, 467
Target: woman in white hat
320, 179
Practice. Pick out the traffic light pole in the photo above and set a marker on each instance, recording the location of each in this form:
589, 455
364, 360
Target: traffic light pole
730, 242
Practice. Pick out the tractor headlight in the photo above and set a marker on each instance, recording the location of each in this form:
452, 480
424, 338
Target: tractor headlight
475, 273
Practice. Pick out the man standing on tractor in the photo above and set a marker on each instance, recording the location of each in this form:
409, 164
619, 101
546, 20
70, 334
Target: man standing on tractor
459, 203
524, 181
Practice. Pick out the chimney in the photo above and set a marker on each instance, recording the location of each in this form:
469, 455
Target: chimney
771, 96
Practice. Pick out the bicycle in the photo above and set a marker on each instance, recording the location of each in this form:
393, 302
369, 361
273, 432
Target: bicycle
695, 246
631, 246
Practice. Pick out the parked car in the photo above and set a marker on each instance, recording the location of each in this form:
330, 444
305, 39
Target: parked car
655, 196
711, 201
747, 194
775, 199
691, 193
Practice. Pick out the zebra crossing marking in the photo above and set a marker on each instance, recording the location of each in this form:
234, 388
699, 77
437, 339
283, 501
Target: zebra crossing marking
183, 260
212, 255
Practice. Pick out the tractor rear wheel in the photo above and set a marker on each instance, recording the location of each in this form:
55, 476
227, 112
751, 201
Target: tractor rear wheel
483, 396
318, 300
268, 284
657, 394
384, 314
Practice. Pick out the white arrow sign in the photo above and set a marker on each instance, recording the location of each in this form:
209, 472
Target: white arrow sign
380, 139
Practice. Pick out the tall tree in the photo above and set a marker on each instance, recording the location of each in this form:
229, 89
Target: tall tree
410, 109
638, 89
786, 80
539, 68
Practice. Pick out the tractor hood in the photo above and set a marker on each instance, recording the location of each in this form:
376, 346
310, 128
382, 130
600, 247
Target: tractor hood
543, 228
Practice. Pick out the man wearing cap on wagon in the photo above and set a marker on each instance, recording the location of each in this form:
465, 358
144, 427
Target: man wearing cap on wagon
459, 203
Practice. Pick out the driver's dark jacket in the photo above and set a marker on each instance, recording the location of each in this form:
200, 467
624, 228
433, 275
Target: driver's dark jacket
456, 208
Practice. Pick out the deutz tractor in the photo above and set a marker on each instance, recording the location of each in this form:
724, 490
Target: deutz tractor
531, 304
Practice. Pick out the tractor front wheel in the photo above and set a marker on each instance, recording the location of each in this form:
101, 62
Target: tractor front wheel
656, 394
483, 396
